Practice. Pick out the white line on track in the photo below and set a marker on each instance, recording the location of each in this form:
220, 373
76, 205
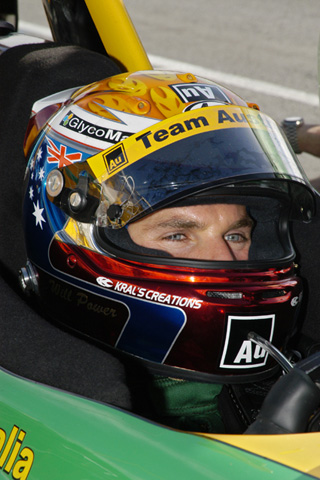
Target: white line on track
229, 79
238, 81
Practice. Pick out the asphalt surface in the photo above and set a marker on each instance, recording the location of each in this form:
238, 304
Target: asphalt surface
267, 52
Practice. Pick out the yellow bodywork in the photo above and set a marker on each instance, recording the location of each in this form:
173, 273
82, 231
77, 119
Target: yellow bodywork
298, 451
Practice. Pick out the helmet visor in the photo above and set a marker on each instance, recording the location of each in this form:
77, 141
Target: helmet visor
192, 152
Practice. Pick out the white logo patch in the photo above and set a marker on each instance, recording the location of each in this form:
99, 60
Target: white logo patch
238, 351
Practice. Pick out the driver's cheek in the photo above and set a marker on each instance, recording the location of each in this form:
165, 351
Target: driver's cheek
240, 251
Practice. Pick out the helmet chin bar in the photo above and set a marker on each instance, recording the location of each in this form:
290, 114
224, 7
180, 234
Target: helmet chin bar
185, 374
272, 350
198, 376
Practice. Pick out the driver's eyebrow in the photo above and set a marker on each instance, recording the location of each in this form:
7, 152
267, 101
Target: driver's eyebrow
243, 222
182, 223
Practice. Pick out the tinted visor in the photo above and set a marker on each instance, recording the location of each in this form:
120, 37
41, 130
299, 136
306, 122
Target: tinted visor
192, 152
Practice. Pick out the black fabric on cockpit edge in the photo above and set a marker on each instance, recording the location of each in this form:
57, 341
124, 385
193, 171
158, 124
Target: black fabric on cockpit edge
29, 345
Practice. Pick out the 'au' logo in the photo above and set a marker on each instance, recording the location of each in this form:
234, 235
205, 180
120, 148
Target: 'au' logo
115, 159
238, 351
195, 92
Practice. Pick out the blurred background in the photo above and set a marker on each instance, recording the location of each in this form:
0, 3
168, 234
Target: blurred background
267, 52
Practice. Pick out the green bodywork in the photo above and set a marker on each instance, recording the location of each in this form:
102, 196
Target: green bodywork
50, 434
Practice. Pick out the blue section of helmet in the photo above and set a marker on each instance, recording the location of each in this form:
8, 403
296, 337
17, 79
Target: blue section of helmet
42, 219
151, 330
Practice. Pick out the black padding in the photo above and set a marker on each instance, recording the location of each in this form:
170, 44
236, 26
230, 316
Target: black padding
34, 348
28, 73
306, 238
121, 239
29, 345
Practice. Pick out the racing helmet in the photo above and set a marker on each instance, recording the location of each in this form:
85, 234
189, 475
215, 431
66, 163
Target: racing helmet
107, 155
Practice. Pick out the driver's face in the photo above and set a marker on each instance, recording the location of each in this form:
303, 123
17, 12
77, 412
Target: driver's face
204, 232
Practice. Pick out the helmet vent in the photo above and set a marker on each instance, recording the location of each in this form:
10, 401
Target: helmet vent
226, 295
274, 293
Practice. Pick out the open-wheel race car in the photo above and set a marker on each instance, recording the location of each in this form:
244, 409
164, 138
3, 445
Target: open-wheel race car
119, 360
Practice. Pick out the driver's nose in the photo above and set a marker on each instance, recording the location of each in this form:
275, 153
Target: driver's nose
216, 250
